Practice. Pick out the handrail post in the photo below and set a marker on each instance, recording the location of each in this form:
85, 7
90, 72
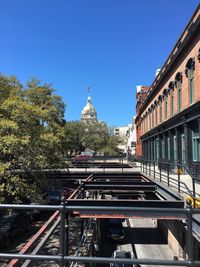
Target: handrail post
63, 233
67, 234
189, 232
146, 166
154, 169
160, 173
168, 174
178, 169
149, 167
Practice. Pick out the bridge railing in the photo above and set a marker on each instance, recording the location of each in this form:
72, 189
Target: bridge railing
172, 174
64, 258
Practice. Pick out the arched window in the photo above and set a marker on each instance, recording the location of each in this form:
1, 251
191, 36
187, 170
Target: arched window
178, 80
149, 111
189, 71
160, 104
171, 91
152, 110
165, 102
156, 112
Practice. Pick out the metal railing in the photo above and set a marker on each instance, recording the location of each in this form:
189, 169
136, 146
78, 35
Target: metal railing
102, 163
63, 258
164, 172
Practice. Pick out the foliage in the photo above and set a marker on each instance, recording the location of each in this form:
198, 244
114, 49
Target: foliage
79, 136
34, 136
31, 133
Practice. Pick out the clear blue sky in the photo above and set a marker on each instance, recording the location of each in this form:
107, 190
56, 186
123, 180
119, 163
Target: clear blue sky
109, 45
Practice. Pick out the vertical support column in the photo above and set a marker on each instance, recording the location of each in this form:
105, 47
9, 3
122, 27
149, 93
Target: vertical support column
171, 146
150, 153
189, 232
62, 234
67, 235
185, 126
178, 156
168, 174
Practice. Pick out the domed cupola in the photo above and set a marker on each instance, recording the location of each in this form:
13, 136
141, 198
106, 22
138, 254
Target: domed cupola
88, 113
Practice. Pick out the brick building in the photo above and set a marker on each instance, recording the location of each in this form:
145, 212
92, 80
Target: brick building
168, 113
140, 97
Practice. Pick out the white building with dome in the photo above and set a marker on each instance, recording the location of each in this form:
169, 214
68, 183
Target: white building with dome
89, 114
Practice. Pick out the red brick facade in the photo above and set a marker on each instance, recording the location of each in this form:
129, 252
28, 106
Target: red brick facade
168, 114
140, 97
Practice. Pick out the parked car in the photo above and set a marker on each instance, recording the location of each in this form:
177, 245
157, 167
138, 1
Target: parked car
115, 230
65, 191
124, 255
82, 158
13, 225
53, 197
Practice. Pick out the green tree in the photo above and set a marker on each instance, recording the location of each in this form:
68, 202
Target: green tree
73, 140
31, 133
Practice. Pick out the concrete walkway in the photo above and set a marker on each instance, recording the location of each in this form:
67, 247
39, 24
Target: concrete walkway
186, 182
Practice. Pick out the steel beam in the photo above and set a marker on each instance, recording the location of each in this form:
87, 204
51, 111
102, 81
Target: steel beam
135, 188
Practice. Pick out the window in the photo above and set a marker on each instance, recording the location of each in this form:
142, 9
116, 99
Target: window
160, 111
149, 120
191, 85
165, 107
152, 118
157, 149
172, 103
147, 123
189, 71
175, 148
179, 89
156, 113
183, 147
132, 144
168, 148
195, 142
163, 148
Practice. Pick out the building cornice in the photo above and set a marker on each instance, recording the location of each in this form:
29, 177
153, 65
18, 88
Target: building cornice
188, 33
177, 120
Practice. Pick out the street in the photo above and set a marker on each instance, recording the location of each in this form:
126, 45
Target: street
142, 238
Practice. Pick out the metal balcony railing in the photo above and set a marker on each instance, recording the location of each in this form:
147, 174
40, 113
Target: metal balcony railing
63, 258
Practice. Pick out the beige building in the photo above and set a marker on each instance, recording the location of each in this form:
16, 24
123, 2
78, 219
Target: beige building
128, 136
89, 114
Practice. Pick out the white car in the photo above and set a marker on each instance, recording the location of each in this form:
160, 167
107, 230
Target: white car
124, 255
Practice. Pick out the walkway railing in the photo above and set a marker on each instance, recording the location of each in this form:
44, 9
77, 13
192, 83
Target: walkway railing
64, 258
171, 174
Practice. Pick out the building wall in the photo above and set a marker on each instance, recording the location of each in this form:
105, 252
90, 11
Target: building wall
171, 133
128, 137
194, 46
140, 97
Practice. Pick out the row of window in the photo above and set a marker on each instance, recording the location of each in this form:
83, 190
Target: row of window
166, 147
159, 110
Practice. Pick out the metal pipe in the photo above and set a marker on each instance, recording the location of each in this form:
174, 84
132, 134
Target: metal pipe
128, 261
189, 232
160, 173
107, 208
62, 234
100, 259
67, 234
179, 185
168, 174
42, 242
30, 207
